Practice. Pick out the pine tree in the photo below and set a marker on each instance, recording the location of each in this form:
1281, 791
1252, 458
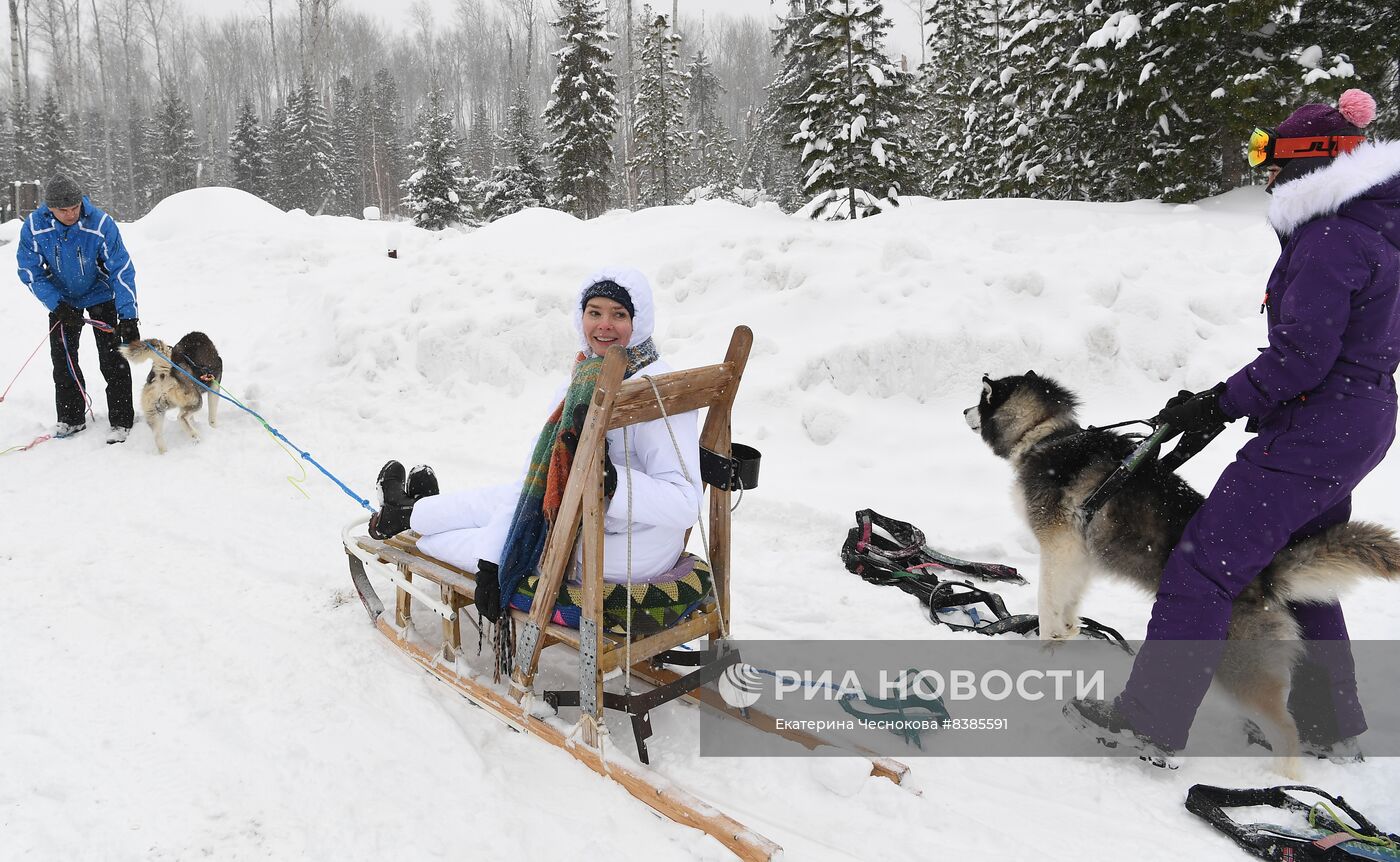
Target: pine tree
136, 176
438, 192
853, 147
772, 161
1351, 34
94, 127
57, 150
481, 141
658, 119
171, 147
582, 112
25, 158
309, 151
347, 197
711, 162
956, 97
248, 157
518, 182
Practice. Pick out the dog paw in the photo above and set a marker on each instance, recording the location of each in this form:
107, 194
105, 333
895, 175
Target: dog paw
1059, 633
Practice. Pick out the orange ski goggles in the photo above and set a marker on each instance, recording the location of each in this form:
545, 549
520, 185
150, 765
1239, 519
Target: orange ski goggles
1267, 148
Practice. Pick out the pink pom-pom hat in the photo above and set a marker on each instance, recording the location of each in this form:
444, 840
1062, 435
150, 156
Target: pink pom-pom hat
1354, 111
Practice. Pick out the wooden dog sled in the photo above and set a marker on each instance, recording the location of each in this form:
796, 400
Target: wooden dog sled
446, 590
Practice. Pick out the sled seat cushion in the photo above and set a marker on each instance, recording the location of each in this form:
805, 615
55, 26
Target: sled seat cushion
653, 606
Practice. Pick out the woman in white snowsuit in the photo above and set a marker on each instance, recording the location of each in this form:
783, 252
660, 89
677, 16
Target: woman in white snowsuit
464, 528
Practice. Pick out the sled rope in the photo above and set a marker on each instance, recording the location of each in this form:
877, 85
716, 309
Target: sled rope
26, 362
699, 508
278, 435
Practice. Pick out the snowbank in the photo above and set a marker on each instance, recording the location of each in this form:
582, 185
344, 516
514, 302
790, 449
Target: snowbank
186, 669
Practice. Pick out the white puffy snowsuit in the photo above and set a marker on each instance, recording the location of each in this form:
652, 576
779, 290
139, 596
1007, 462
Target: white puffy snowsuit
464, 527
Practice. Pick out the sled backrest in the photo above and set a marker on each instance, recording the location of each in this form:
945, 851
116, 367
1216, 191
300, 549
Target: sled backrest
617, 403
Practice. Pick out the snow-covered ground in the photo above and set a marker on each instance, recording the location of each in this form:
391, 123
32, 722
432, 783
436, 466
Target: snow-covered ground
185, 671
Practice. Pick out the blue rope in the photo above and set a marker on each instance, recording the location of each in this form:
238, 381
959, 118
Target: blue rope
273, 431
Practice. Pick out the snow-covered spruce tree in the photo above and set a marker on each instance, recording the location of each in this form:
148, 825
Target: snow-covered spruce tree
309, 151
711, 159
438, 192
481, 140
347, 194
1046, 152
518, 181
582, 112
95, 146
954, 117
247, 152
772, 162
57, 150
1339, 44
280, 158
172, 148
854, 150
135, 176
25, 164
658, 116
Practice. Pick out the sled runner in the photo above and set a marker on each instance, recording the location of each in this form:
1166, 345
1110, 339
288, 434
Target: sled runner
601, 637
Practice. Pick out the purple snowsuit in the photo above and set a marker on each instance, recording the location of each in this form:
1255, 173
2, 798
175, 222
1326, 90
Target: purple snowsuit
1322, 395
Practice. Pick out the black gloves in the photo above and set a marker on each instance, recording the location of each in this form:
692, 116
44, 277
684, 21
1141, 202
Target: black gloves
127, 331
570, 441
1189, 413
67, 315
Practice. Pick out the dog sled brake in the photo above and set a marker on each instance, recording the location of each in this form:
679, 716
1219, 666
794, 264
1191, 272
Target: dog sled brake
446, 591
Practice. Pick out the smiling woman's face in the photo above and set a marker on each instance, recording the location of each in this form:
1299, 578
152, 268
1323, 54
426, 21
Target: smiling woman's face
606, 323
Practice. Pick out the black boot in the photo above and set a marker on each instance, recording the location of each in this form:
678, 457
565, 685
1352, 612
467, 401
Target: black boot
1101, 720
395, 505
422, 482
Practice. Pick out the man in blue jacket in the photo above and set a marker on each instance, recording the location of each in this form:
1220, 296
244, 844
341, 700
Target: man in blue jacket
72, 258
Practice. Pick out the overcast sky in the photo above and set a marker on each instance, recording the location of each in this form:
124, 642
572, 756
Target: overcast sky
905, 38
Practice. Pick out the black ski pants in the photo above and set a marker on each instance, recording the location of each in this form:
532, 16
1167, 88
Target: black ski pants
68, 398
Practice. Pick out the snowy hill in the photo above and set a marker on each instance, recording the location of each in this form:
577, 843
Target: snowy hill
187, 672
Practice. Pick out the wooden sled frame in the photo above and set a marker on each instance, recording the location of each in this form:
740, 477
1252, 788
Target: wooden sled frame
446, 590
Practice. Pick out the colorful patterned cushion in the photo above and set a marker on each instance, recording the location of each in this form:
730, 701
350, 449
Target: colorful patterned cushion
654, 606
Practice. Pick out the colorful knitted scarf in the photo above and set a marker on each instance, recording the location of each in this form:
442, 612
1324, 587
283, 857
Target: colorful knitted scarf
543, 492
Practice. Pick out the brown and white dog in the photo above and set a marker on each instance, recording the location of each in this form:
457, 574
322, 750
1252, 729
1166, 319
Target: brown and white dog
170, 388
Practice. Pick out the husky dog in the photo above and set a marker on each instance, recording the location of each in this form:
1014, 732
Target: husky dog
1030, 421
170, 388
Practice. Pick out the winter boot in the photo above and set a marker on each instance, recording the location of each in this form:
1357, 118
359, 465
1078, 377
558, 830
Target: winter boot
422, 482
63, 429
1342, 751
1101, 720
118, 434
395, 506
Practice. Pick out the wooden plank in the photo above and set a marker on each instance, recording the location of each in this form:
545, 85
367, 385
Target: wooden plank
682, 391
697, 625
451, 629
560, 546
659, 793
882, 767
590, 678
403, 600
715, 437
400, 551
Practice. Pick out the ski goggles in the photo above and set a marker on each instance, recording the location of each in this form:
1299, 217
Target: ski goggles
1267, 148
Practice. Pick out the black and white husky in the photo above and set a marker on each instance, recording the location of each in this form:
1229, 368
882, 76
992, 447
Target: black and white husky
1030, 421
170, 388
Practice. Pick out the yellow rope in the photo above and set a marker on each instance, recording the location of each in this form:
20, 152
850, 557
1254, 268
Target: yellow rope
1378, 840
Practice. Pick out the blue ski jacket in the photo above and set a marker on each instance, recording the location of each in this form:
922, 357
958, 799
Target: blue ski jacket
83, 264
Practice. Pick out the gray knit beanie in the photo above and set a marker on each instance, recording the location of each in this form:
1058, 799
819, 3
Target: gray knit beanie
62, 191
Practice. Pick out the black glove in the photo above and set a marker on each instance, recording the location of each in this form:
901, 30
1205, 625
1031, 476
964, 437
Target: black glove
609, 473
127, 331
1189, 414
69, 316
570, 440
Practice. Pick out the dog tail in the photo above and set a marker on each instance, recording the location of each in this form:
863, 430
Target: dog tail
1318, 568
137, 352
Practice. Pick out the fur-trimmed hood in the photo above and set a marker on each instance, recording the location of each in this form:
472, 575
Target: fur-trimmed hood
1363, 185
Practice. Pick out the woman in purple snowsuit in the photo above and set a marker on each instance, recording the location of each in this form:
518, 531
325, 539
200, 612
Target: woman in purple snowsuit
1322, 398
